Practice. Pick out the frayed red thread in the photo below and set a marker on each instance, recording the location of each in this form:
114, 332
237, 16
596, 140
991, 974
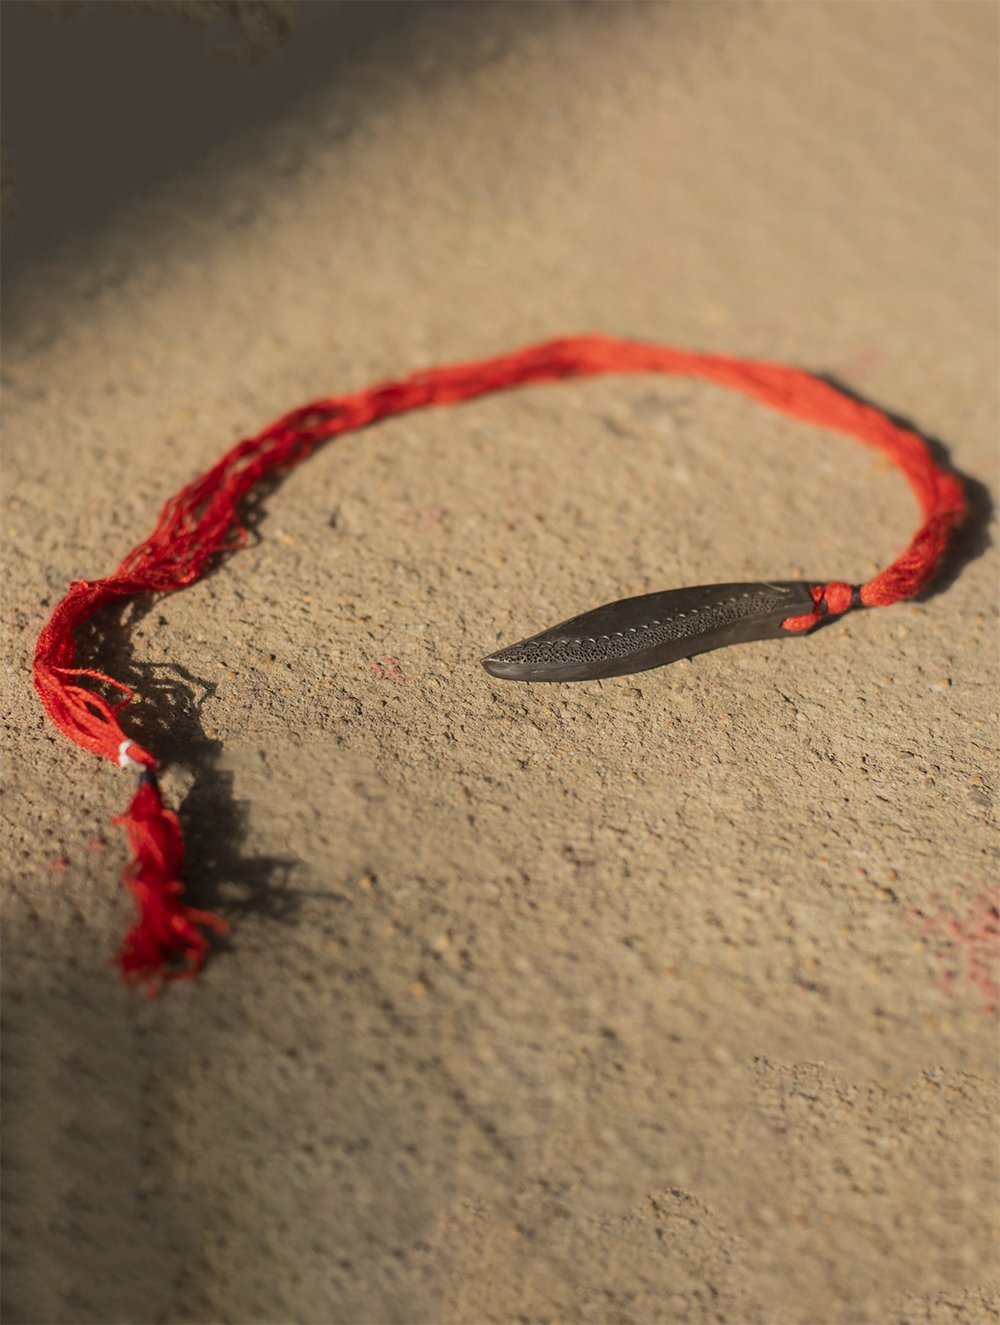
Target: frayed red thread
167, 941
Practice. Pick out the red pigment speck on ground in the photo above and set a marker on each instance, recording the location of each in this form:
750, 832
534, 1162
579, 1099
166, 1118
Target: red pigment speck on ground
388, 670
424, 515
859, 365
61, 863
970, 944
97, 844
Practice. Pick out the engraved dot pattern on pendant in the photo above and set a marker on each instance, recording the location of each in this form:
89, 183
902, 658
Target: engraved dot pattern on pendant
619, 644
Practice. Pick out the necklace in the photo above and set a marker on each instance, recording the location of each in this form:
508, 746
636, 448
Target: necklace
201, 523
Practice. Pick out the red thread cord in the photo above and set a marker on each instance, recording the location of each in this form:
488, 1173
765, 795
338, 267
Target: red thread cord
201, 521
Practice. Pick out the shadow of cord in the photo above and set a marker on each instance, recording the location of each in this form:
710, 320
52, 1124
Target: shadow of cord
972, 537
167, 718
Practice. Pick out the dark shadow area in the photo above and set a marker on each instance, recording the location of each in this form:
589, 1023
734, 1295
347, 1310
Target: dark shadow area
972, 538
166, 717
101, 101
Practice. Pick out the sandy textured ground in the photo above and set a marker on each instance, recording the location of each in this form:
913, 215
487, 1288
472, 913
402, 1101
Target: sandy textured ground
662, 999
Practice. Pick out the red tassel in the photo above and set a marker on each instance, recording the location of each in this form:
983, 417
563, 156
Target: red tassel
167, 932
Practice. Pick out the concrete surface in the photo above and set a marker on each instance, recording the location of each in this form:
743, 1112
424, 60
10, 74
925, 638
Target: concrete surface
662, 999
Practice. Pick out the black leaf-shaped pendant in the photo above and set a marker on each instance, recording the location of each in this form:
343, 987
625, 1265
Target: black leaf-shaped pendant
635, 634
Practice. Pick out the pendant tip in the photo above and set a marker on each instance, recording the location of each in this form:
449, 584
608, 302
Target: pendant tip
497, 665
